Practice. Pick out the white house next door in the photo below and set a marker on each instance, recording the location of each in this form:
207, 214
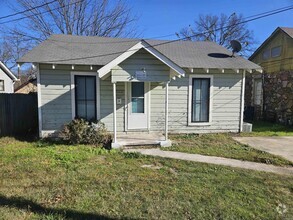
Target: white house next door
138, 105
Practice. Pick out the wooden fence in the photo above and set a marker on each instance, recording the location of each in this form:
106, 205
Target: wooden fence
18, 114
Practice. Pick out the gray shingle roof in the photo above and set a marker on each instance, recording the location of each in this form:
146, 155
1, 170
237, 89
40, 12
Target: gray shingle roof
288, 31
83, 50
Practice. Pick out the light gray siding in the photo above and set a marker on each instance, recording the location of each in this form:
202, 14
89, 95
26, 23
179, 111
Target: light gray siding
107, 104
156, 71
55, 85
225, 108
57, 106
55, 98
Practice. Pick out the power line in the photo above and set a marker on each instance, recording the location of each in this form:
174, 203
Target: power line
43, 12
27, 10
133, 40
172, 41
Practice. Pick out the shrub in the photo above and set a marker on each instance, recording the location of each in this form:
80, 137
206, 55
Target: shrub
80, 131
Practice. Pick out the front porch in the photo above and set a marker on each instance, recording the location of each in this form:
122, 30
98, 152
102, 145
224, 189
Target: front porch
141, 138
137, 70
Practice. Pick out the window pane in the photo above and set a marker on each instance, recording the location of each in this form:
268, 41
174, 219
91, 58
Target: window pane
81, 109
276, 51
137, 105
137, 89
90, 88
91, 110
200, 100
80, 88
1, 85
266, 54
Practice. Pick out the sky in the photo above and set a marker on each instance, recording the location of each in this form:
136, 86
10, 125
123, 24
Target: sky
164, 17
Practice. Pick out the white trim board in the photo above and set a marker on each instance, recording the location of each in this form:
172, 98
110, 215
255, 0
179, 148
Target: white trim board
211, 77
39, 94
72, 88
8, 72
103, 71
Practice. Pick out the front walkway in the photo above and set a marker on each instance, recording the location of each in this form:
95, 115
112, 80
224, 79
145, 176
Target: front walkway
214, 160
282, 146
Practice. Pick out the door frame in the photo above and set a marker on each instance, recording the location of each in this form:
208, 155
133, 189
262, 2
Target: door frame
127, 92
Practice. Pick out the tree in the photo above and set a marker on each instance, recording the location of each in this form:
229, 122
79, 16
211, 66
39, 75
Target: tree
12, 47
221, 29
75, 17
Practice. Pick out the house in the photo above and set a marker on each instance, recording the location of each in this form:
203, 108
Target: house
7, 79
270, 93
135, 85
27, 87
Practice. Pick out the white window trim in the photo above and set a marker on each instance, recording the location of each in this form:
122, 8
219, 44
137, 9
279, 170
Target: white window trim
72, 87
192, 76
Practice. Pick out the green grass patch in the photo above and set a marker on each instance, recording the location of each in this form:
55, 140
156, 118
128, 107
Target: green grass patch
263, 128
222, 145
82, 182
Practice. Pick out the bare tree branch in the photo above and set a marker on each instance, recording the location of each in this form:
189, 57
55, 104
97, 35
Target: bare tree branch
221, 29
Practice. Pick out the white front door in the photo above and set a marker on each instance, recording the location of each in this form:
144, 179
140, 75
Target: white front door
137, 109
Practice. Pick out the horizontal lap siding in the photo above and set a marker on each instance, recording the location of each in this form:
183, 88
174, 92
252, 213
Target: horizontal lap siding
55, 98
225, 111
156, 71
107, 104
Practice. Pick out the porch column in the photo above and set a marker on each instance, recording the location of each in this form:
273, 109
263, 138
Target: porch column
166, 109
114, 113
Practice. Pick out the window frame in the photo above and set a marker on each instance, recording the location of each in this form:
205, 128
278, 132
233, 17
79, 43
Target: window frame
275, 48
269, 54
73, 97
2, 80
190, 95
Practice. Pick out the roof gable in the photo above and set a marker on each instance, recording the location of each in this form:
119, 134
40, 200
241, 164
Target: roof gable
278, 30
142, 44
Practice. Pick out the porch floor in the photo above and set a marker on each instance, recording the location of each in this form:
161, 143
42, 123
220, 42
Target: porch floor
138, 138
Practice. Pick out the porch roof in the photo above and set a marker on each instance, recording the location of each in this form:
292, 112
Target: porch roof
85, 50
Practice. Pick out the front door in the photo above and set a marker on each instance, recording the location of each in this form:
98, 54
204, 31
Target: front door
137, 112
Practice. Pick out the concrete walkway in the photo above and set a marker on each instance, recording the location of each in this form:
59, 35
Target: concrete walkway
282, 146
214, 160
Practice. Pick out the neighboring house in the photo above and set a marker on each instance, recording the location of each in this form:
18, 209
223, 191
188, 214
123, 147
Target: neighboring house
139, 85
27, 87
271, 93
7, 79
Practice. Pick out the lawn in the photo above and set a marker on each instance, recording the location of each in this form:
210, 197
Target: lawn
263, 128
222, 145
45, 181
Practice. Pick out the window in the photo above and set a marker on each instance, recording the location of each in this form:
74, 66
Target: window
137, 97
1, 85
85, 97
200, 99
276, 51
266, 54
257, 91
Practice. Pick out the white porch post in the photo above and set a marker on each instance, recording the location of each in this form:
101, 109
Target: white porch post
166, 110
114, 113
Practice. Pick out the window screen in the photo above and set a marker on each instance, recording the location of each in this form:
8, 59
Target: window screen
85, 97
200, 99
